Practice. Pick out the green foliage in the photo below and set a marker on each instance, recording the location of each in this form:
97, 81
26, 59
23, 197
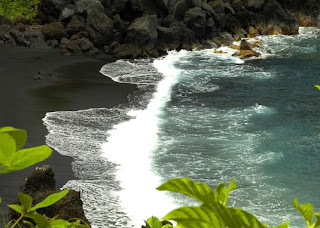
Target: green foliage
14, 8
213, 212
199, 191
306, 210
153, 222
317, 86
26, 210
12, 157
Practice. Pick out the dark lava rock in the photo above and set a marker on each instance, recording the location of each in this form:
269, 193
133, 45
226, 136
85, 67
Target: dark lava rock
99, 26
54, 30
69, 47
77, 24
143, 31
51, 9
127, 51
39, 185
20, 38
177, 36
195, 19
68, 12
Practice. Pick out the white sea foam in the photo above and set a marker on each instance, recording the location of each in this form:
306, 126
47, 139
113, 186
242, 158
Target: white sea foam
130, 144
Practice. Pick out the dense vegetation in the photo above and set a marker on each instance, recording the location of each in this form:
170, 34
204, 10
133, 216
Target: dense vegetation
14, 8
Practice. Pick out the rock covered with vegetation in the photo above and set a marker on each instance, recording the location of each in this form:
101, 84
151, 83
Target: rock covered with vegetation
39, 185
139, 28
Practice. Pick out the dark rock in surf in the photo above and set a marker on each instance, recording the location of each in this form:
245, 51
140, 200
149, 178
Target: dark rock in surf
39, 185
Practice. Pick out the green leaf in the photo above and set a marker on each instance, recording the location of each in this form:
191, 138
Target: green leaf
51, 199
40, 220
26, 201
17, 208
306, 210
194, 217
28, 157
0, 200
167, 226
153, 222
222, 192
19, 135
284, 225
30, 224
233, 217
7, 149
199, 191
60, 223
317, 222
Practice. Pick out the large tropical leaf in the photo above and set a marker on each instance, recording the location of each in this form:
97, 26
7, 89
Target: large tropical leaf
51, 199
214, 215
194, 217
19, 135
28, 157
199, 191
7, 150
233, 217
306, 210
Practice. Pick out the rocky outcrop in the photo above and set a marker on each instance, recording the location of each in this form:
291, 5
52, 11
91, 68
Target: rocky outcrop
139, 27
305, 12
54, 31
143, 31
39, 185
246, 50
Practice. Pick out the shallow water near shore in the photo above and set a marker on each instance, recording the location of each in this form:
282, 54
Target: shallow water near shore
206, 116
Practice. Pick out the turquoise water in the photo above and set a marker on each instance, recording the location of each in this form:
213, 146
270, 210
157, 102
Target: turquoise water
206, 116
257, 122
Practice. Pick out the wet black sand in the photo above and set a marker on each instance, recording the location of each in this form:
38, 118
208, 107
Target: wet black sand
25, 101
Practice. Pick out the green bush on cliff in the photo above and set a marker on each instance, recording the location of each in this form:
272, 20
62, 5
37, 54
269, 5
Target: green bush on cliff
14, 8
14, 158
213, 212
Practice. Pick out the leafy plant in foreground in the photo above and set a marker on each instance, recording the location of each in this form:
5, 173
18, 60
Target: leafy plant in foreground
14, 158
213, 212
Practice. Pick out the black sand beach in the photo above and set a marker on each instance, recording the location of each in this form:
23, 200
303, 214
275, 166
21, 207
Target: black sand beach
24, 101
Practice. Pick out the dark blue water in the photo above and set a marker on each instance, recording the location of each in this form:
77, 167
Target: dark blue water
257, 121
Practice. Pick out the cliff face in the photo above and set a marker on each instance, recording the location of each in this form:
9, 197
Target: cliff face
306, 12
138, 28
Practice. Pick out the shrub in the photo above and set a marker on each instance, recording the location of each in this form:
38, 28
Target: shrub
14, 8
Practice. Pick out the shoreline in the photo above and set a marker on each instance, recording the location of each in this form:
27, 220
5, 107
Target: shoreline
76, 84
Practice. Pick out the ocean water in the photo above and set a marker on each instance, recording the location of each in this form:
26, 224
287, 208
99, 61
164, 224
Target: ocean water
206, 116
